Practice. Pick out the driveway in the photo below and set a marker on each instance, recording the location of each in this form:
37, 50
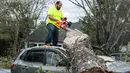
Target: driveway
4, 70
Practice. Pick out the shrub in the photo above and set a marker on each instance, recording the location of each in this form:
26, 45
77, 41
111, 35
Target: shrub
5, 62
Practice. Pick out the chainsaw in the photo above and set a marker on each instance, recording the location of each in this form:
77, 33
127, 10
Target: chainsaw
65, 24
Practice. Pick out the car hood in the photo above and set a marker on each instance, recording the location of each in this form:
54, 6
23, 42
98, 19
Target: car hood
119, 66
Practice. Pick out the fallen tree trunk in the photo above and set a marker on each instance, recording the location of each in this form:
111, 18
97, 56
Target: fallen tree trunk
79, 49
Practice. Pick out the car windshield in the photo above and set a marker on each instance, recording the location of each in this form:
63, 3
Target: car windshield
33, 56
64, 52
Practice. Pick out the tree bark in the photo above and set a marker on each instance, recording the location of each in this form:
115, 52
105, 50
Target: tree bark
80, 50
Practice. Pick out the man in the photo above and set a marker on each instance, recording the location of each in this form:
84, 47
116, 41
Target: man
55, 16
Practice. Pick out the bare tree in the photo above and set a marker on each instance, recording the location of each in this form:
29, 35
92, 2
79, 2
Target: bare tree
105, 21
21, 16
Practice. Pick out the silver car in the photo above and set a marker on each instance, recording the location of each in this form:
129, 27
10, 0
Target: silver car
43, 59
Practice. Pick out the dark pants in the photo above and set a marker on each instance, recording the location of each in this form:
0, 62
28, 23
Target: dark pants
53, 32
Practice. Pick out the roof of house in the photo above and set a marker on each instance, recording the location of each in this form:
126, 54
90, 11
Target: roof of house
39, 35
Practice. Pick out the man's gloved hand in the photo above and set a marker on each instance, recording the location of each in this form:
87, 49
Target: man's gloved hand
61, 23
58, 22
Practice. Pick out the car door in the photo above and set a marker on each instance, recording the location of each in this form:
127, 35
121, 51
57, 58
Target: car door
17, 64
53, 56
32, 61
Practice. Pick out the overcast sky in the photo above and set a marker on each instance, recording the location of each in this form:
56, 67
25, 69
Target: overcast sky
72, 12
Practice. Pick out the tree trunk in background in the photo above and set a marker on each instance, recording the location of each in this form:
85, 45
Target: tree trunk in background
80, 50
106, 21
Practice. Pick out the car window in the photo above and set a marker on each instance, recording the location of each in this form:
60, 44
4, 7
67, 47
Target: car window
33, 56
24, 55
36, 57
52, 57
